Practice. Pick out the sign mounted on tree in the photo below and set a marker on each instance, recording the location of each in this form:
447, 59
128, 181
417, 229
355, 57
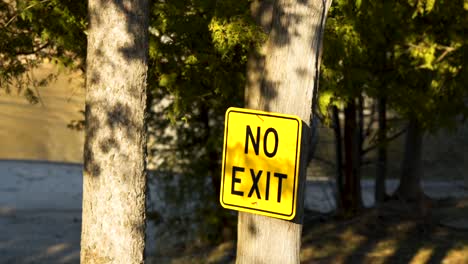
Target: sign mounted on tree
260, 171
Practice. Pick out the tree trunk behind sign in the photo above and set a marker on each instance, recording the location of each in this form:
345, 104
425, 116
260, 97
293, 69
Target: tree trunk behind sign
114, 183
283, 78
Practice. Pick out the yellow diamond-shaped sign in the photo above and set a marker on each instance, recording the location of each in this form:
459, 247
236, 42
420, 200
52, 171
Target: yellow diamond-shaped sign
260, 171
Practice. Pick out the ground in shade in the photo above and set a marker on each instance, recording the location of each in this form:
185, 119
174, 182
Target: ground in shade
391, 235
40, 219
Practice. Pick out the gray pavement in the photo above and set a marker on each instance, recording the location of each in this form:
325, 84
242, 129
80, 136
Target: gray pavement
40, 209
40, 212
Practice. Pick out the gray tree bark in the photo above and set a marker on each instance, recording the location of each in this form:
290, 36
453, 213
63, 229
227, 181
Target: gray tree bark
283, 79
114, 183
410, 188
338, 157
352, 197
380, 188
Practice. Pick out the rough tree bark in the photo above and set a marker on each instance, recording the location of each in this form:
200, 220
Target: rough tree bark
360, 122
352, 198
380, 188
114, 184
282, 79
338, 158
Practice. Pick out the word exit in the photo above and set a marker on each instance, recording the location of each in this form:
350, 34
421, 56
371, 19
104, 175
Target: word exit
260, 169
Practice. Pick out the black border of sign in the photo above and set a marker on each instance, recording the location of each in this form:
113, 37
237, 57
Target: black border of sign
295, 163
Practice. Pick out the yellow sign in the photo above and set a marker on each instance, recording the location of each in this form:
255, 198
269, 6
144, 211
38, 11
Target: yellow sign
261, 155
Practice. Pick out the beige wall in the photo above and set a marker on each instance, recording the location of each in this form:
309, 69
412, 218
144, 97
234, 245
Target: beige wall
39, 132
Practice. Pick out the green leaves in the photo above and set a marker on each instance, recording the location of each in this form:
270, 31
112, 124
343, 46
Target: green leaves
167, 80
198, 51
197, 54
411, 51
422, 54
358, 3
422, 7
34, 30
236, 32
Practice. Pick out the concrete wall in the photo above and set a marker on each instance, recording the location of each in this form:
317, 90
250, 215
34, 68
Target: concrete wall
39, 132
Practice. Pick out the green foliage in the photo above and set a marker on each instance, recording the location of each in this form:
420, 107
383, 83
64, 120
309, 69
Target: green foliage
197, 56
410, 51
34, 30
430, 64
342, 73
198, 52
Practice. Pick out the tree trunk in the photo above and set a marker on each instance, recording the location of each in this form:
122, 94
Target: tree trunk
114, 176
283, 78
338, 157
352, 200
361, 131
410, 189
380, 188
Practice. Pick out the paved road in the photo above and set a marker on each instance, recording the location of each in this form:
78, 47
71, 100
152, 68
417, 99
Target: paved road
40, 212
40, 209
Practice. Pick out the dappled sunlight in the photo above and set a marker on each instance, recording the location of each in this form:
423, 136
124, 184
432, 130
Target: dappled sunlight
457, 255
53, 253
327, 250
406, 57
55, 249
384, 248
422, 256
351, 236
382, 239
70, 257
337, 246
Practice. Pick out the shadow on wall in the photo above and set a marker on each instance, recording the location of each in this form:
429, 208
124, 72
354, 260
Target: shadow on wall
39, 132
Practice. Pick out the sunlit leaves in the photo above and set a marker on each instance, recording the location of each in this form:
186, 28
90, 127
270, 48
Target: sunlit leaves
422, 7
198, 51
412, 50
167, 80
227, 34
423, 54
34, 30
202, 45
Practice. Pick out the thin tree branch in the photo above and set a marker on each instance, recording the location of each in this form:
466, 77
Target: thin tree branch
388, 139
447, 51
32, 51
26, 8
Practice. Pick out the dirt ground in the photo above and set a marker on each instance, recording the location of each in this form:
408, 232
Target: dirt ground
390, 235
